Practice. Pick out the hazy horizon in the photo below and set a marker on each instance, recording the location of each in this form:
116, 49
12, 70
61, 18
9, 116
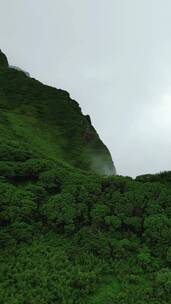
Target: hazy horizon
113, 57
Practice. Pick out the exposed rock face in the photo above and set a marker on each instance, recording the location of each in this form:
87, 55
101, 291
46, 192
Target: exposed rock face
3, 60
50, 122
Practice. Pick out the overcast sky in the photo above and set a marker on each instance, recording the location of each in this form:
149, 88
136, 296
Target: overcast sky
113, 56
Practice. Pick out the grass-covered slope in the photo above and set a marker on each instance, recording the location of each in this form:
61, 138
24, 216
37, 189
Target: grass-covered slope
68, 235
49, 121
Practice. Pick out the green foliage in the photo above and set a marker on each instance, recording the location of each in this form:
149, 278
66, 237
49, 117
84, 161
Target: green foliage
68, 235
162, 285
169, 255
64, 232
157, 229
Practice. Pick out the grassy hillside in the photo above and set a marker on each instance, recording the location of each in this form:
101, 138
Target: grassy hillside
49, 121
69, 235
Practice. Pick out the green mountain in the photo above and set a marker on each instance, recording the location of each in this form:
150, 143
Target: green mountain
69, 235
49, 121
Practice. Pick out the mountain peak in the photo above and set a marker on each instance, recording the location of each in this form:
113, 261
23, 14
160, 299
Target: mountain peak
3, 60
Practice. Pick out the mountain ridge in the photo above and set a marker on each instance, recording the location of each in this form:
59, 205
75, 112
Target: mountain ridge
44, 107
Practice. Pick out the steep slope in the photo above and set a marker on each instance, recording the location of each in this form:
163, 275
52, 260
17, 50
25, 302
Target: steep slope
50, 121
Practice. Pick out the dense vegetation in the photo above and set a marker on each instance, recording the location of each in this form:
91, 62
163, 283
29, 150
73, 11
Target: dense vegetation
69, 235
50, 122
